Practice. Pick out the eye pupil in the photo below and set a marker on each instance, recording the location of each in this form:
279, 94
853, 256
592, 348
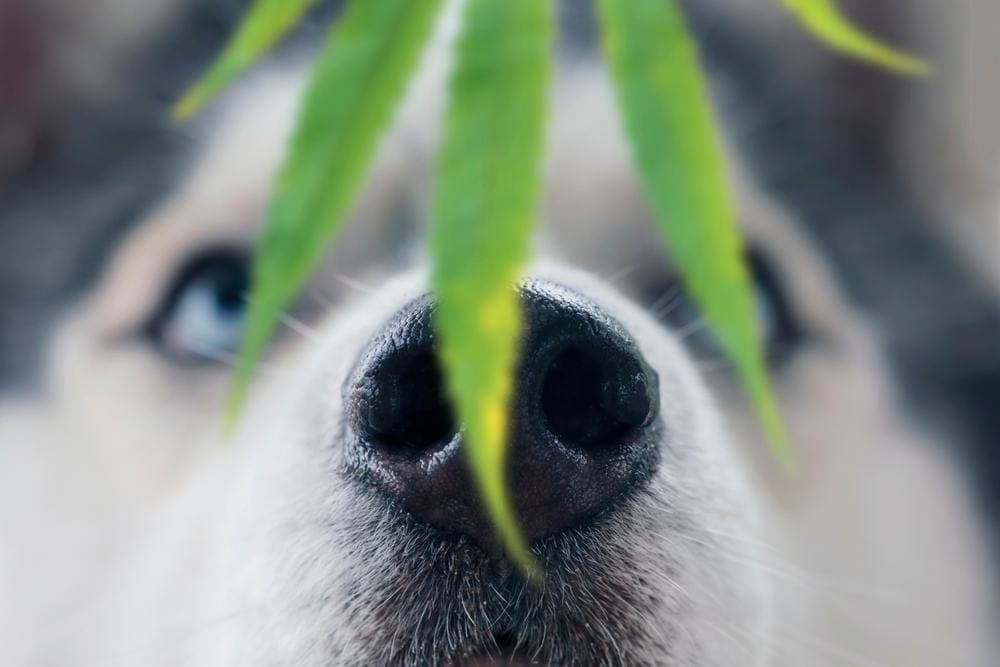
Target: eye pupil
230, 299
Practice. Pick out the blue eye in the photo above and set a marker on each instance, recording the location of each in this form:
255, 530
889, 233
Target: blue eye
204, 314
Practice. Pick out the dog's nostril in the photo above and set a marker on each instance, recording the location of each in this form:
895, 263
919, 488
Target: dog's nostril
406, 411
589, 402
582, 432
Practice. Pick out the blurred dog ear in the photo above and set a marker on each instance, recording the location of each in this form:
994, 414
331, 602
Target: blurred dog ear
54, 52
947, 139
24, 82
115, 57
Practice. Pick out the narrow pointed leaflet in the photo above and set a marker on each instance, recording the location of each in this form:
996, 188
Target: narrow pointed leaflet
484, 214
355, 86
664, 101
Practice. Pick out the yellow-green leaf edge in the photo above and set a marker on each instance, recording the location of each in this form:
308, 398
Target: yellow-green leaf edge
266, 22
825, 20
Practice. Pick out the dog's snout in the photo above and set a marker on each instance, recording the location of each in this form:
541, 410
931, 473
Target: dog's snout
584, 427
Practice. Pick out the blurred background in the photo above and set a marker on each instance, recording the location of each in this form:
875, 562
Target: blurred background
897, 179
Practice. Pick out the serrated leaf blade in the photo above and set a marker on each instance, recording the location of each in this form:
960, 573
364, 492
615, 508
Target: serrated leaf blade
354, 88
266, 23
664, 101
484, 213
825, 20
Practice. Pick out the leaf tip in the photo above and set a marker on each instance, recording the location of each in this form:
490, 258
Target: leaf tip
250, 355
774, 427
919, 68
826, 21
234, 405
518, 552
781, 447
187, 106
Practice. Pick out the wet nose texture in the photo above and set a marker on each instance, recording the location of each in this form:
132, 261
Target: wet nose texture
585, 429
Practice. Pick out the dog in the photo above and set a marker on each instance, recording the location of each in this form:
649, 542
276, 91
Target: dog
339, 526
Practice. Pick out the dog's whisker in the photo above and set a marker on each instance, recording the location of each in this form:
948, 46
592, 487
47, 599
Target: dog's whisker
299, 327
621, 274
826, 648
691, 328
667, 302
324, 300
811, 581
288, 320
353, 283
231, 359
712, 366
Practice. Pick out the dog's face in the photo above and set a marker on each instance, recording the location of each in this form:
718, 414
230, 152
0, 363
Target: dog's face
339, 525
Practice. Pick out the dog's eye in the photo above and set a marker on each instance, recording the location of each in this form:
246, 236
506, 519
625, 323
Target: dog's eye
204, 312
778, 327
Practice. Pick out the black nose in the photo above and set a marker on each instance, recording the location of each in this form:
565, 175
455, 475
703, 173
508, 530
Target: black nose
584, 427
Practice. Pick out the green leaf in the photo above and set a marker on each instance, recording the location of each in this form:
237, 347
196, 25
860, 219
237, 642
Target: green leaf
265, 24
668, 118
354, 89
484, 214
824, 19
